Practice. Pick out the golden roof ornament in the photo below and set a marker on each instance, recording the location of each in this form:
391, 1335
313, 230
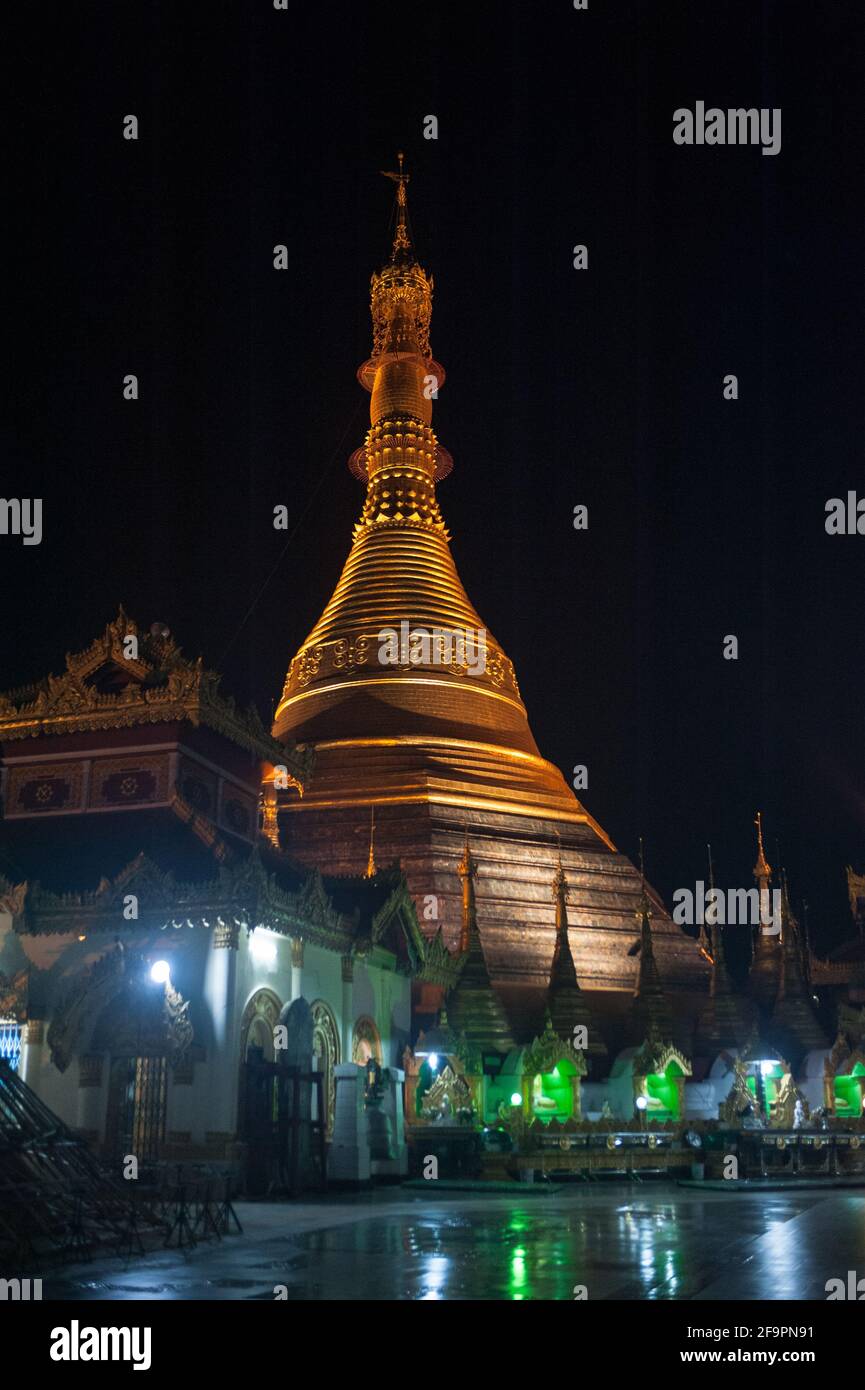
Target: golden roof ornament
467, 872
762, 868
370, 863
401, 240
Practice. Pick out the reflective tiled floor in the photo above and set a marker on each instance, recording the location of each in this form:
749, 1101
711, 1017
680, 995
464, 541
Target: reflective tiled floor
620, 1242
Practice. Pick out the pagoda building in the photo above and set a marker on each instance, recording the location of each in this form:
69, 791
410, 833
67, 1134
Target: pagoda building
412, 706
152, 937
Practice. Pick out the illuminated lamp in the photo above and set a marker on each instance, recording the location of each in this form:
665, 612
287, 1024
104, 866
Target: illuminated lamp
439, 1040
641, 1102
516, 1098
263, 948
160, 972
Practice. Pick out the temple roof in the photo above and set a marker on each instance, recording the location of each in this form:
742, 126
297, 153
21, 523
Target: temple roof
74, 874
128, 678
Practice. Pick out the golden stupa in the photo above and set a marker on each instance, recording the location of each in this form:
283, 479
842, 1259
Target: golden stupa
416, 730
412, 706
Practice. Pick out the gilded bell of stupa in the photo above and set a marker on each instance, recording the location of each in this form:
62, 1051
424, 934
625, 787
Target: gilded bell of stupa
412, 707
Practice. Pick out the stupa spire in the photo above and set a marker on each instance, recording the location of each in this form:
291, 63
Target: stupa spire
370, 863
401, 238
567, 1005
795, 1025
764, 978
729, 1018
651, 1006
762, 868
467, 872
473, 1004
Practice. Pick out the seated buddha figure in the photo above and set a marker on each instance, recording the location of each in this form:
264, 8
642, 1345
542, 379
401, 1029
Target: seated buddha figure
540, 1102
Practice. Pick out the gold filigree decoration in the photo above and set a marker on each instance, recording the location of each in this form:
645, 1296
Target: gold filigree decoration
548, 1050
13, 995
348, 654
655, 1056
449, 1094
158, 685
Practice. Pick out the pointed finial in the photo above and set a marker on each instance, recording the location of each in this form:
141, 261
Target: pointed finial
370, 863
401, 239
644, 902
806, 926
711, 924
559, 881
762, 868
466, 865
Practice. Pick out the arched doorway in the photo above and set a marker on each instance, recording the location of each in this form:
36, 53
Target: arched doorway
257, 1023
131, 1029
325, 1046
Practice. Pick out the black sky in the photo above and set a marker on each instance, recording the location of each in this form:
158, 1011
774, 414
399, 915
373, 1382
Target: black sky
602, 387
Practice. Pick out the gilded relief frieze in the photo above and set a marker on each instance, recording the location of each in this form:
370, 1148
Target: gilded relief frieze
347, 654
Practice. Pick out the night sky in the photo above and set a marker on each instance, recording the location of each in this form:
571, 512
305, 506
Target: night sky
602, 387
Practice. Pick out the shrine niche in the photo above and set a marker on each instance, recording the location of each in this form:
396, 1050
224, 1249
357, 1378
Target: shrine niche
325, 1048
649, 1082
659, 1072
443, 1079
551, 1075
449, 1099
844, 1080
763, 1092
366, 1042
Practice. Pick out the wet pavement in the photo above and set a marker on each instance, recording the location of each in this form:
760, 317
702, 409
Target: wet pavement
621, 1241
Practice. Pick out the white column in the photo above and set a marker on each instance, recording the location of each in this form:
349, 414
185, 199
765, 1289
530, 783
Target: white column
296, 968
219, 1115
347, 1007
348, 1159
